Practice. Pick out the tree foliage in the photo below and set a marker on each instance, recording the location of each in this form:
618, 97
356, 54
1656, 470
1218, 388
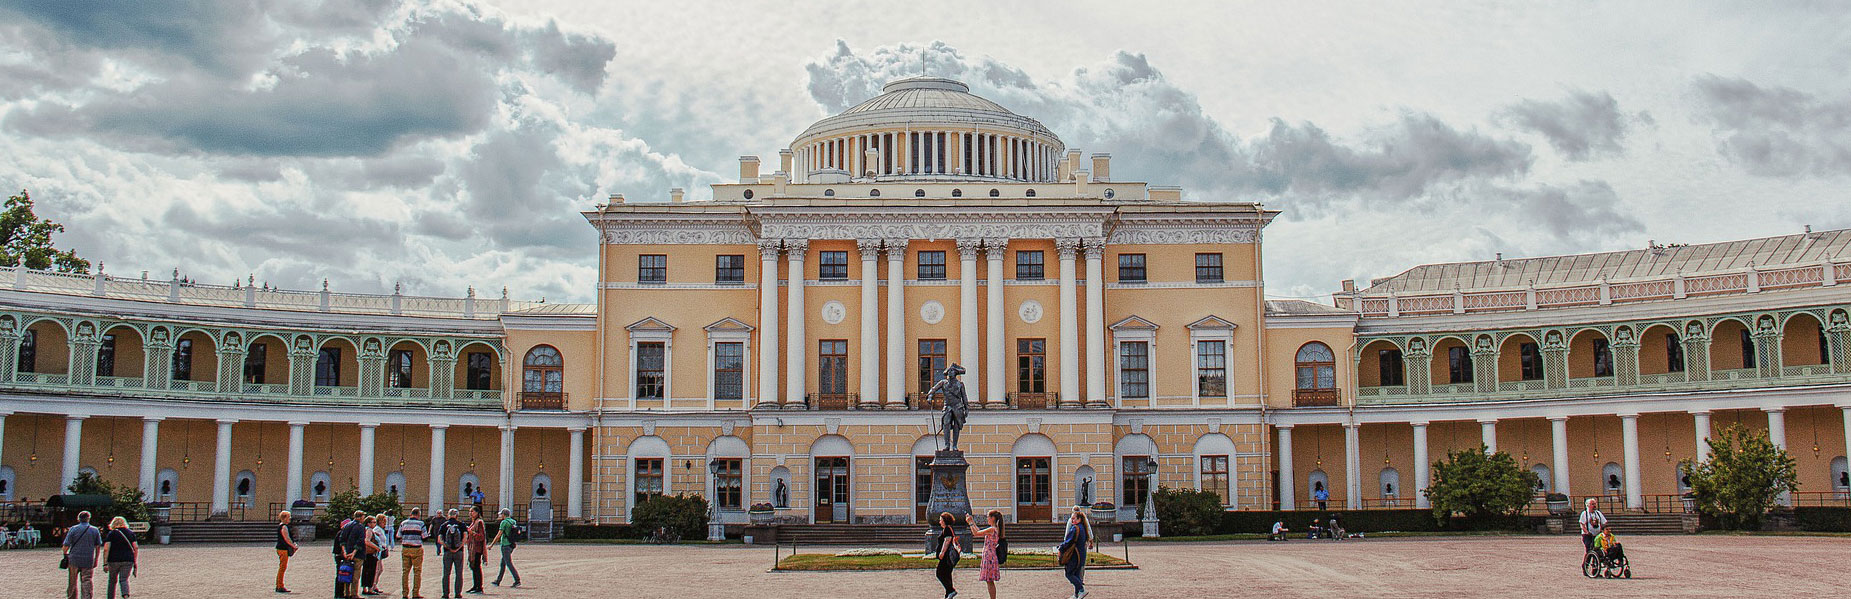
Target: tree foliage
1746, 472
342, 505
1479, 484
684, 514
126, 500
26, 239
1187, 512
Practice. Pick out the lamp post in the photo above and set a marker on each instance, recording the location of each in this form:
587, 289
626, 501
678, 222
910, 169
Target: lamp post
1150, 498
716, 530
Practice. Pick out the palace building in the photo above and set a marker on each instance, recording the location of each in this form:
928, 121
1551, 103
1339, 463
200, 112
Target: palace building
772, 345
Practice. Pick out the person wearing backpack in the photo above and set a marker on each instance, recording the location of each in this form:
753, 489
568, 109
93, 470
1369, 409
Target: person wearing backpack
995, 550
450, 543
504, 536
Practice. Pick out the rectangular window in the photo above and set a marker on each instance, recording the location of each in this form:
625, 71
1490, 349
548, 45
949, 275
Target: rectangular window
729, 483
328, 367
729, 373
931, 363
255, 359
1390, 368
729, 268
932, 266
398, 368
1137, 479
1033, 485
1131, 268
1748, 349
1134, 369
648, 479
1215, 476
1208, 268
832, 366
652, 268
183, 360
832, 266
651, 373
1211, 368
1031, 365
1674, 353
1458, 365
1603, 358
28, 351
922, 485
106, 356
1530, 358
481, 371
1030, 265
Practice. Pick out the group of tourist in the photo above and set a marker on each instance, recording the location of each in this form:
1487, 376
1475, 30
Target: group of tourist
1071, 554
363, 543
85, 547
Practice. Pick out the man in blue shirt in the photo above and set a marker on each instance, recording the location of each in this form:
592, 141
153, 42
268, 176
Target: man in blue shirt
83, 545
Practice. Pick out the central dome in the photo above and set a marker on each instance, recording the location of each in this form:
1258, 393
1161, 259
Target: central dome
927, 126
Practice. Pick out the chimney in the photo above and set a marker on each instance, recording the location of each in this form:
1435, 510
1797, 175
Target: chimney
778, 182
1073, 162
675, 194
748, 169
784, 160
1102, 167
616, 198
1080, 180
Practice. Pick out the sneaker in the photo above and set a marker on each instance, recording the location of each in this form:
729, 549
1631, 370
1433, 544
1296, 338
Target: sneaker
278, 589
1082, 595
495, 582
517, 584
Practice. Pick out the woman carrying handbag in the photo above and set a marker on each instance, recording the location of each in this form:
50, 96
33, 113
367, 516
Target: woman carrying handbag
120, 555
1072, 551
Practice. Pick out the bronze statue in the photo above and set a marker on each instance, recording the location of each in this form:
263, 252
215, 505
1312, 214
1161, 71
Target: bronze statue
957, 408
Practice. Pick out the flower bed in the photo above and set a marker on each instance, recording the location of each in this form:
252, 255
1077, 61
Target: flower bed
820, 562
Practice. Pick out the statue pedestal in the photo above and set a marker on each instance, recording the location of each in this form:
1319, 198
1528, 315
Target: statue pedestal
949, 494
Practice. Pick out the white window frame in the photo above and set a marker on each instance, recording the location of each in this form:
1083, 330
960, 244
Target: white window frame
730, 330
1134, 329
651, 330
1211, 328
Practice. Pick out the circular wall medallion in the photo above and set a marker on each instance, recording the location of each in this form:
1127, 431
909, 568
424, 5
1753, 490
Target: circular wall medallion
1030, 311
932, 312
834, 312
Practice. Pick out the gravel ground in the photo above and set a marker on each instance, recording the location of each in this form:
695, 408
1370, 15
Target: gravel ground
1678, 566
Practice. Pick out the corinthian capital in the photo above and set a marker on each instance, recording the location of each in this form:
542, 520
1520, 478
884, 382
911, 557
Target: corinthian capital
1067, 247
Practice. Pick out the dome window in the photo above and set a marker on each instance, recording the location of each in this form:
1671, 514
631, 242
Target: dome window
829, 193
748, 194
1031, 193
995, 193
918, 193
874, 193
957, 193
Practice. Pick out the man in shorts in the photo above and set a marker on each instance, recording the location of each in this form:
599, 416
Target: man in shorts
1592, 522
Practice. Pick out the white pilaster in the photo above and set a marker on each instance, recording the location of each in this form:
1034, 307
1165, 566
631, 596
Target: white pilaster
439, 472
145, 487
870, 321
967, 316
1095, 324
150, 448
768, 322
1069, 324
1777, 432
1629, 436
505, 486
794, 382
1423, 469
1701, 420
1488, 434
575, 475
1352, 466
1288, 495
221, 470
73, 451
292, 485
993, 252
896, 322
364, 479
1558, 442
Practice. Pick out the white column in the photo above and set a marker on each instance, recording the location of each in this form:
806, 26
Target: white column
896, 322
439, 472
1288, 496
221, 470
145, 488
1845, 410
1701, 420
1352, 466
796, 250
767, 322
1095, 324
575, 475
292, 485
505, 485
1069, 324
1488, 434
150, 450
870, 322
1629, 435
993, 251
73, 450
1423, 469
967, 318
1558, 442
1777, 432
365, 477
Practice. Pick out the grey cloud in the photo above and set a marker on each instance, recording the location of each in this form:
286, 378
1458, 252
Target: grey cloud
1401, 161
1777, 131
1582, 126
291, 229
229, 37
1585, 211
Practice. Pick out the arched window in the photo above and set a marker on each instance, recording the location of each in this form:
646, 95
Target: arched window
918, 193
874, 193
995, 193
957, 193
1316, 380
542, 379
1029, 193
829, 193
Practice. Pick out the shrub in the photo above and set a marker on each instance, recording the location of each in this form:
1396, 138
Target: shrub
684, 514
1746, 472
1823, 519
601, 531
1479, 485
342, 505
125, 500
1187, 512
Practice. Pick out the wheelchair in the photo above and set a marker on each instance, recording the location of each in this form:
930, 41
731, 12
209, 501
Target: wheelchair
1597, 565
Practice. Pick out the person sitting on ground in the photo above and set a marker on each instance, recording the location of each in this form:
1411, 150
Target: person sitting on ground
1279, 531
1609, 545
1336, 530
1316, 528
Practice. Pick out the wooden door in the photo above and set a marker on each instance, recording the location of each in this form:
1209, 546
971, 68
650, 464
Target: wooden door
1034, 490
832, 485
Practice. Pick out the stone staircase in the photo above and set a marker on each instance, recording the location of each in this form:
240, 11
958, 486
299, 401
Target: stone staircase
906, 536
228, 531
1646, 524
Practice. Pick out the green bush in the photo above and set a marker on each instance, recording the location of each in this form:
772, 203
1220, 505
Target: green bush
342, 505
126, 500
1479, 485
1746, 472
1188, 512
684, 514
1823, 519
602, 531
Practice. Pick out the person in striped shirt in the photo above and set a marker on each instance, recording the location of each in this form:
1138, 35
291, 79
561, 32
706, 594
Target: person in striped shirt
411, 555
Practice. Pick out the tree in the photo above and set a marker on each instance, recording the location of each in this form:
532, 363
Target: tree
342, 505
1187, 512
684, 514
1479, 485
125, 501
25, 239
1746, 472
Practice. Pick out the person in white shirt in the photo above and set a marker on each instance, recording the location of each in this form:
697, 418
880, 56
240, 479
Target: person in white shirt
1592, 522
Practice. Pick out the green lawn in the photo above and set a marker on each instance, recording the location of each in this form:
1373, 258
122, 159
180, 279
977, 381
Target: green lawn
814, 562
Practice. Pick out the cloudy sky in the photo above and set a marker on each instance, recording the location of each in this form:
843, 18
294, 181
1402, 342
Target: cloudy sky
446, 144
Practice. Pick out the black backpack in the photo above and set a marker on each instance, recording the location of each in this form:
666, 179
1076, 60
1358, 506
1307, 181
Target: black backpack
450, 534
1002, 548
519, 532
